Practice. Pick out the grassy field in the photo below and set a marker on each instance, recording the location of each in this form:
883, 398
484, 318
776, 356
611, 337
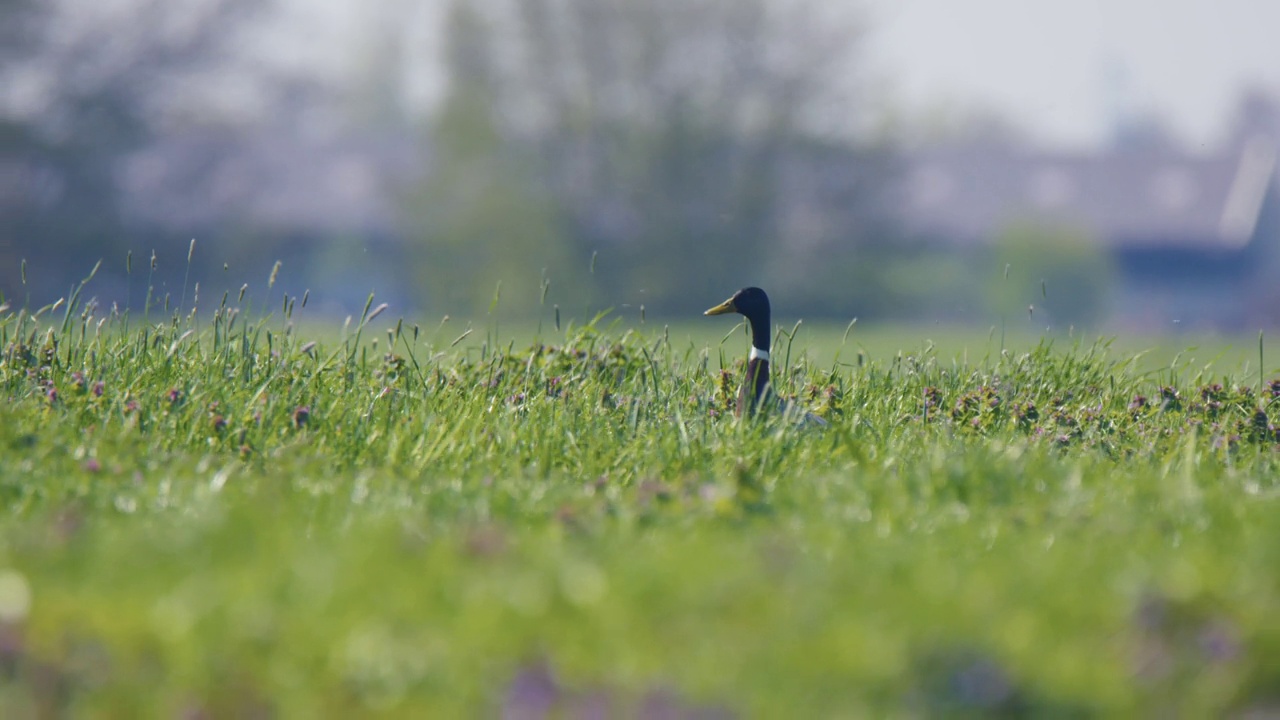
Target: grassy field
223, 517
825, 343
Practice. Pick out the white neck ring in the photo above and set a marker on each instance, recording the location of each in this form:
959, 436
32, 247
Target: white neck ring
758, 354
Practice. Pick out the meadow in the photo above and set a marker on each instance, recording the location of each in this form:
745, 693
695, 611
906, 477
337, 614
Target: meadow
219, 514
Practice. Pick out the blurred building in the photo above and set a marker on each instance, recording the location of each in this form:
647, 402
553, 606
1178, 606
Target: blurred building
1195, 237
283, 177
323, 201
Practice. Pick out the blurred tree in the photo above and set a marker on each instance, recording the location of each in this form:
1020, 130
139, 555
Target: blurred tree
661, 130
1058, 270
481, 220
94, 84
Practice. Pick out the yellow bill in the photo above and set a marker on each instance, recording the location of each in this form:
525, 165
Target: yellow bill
722, 308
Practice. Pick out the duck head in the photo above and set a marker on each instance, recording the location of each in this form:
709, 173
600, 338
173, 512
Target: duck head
753, 304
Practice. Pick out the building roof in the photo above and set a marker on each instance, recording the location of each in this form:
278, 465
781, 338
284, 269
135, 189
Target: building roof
1137, 198
275, 178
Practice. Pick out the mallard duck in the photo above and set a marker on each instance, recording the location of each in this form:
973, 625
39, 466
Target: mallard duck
756, 395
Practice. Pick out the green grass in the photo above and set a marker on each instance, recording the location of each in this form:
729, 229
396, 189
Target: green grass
214, 515
825, 343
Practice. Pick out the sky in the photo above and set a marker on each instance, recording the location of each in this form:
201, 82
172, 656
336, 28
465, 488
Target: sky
1064, 70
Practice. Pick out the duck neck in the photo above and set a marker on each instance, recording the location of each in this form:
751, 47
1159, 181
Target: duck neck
757, 379
760, 333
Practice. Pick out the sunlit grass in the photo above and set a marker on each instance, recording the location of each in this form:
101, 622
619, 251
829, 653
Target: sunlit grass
219, 513
825, 343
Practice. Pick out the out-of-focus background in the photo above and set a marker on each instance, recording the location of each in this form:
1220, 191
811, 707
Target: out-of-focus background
1107, 165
